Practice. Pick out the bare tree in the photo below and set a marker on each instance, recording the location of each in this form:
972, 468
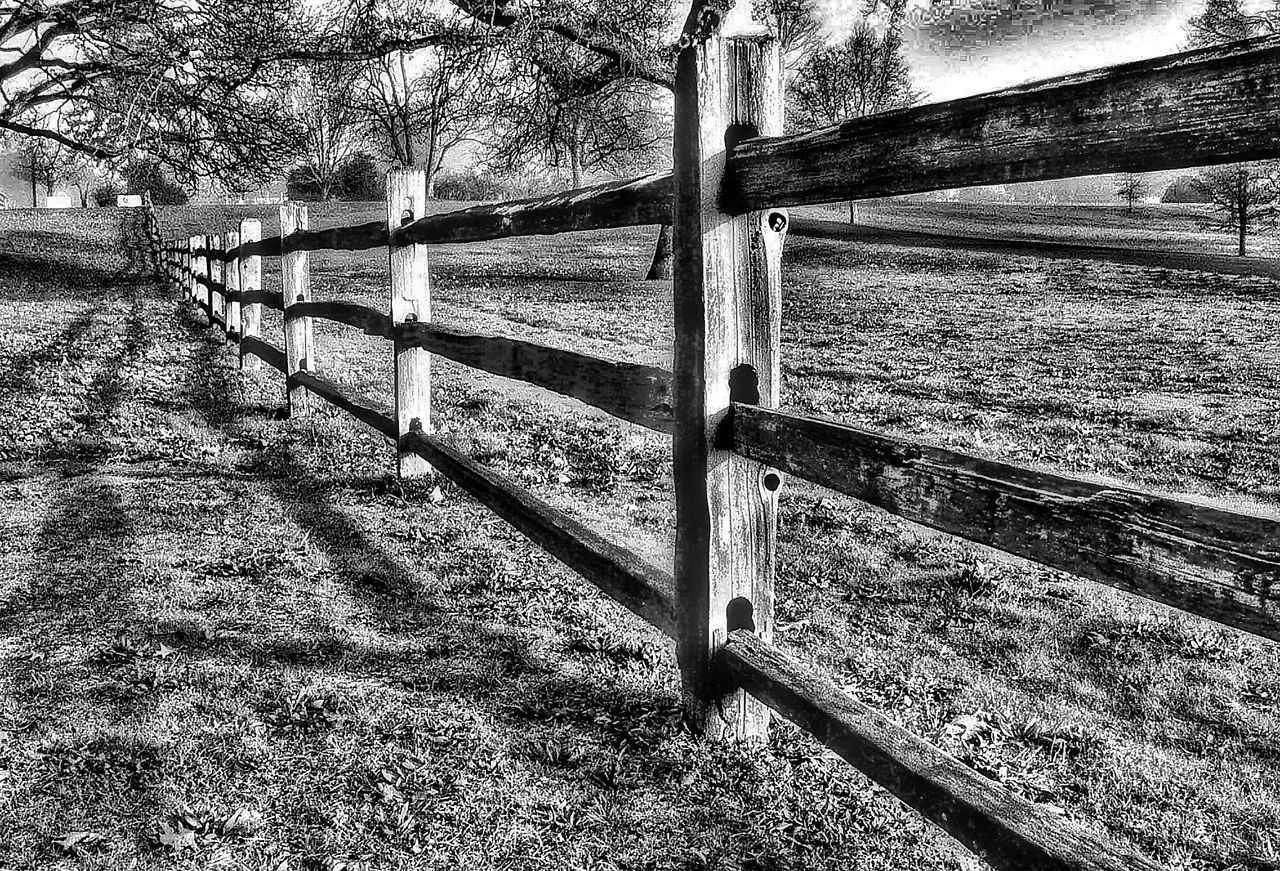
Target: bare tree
1244, 196
797, 27
417, 111
1229, 20
388, 110
618, 129
1131, 188
584, 88
38, 162
323, 102
863, 74
195, 85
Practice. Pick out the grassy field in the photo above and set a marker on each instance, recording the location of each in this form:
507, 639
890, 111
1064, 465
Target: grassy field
229, 640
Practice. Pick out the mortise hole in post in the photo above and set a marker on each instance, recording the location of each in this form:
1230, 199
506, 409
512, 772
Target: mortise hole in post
406, 216
736, 133
740, 614
772, 481
744, 385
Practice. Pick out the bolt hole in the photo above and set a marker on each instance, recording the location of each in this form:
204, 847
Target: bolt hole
772, 481
777, 222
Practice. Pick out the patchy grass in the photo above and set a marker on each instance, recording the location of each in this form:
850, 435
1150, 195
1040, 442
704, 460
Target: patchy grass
229, 640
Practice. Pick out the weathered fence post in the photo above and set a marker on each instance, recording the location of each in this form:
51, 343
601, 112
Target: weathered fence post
295, 274
727, 319
199, 266
189, 270
250, 282
232, 281
218, 278
410, 302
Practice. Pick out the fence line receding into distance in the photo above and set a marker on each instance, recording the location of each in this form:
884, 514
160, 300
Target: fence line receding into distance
732, 174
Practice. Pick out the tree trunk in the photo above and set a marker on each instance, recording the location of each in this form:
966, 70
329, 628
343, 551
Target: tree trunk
575, 155
1243, 230
660, 268
33, 188
575, 165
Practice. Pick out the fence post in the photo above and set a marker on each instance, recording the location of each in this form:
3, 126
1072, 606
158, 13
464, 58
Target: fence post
189, 278
199, 268
232, 281
217, 277
295, 274
410, 302
250, 282
727, 279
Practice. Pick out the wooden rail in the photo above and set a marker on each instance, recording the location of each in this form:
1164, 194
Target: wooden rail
264, 351
1223, 264
1008, 832
363, 410
732, 447
372, 321
640, 394
635, 202
1214, 105
1208, 559
627, 579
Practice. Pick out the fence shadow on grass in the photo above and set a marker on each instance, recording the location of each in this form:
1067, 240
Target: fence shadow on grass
81, 580
478, 661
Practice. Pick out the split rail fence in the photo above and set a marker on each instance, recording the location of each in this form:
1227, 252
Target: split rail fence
733, 175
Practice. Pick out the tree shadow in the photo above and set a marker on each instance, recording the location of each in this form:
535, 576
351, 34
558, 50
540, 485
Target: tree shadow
476, 659
137, 245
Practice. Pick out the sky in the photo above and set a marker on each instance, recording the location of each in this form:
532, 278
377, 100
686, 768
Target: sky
961, 47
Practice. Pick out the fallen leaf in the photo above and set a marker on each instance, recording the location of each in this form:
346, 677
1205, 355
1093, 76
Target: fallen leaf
73, 842
175, 836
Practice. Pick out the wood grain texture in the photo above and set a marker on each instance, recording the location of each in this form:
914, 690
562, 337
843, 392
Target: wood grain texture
634, 202
1204, 558
632, 392
231, 239
370, 320
363, 410
1216, 105
295, 276
1006, 831
410, 303
630, 581
217, 281
265, 351
250, 289
727, 286
197, 267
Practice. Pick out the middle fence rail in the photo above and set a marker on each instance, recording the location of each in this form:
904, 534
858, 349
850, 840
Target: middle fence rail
733, 446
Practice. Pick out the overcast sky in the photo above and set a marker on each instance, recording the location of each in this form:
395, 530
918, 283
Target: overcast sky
962, 47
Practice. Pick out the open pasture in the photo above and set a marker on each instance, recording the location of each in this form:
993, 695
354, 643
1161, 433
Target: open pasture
383, 679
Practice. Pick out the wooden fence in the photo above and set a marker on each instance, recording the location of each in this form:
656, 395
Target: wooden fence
732, 175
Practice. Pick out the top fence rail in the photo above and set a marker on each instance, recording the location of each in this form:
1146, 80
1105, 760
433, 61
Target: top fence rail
1197, 108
